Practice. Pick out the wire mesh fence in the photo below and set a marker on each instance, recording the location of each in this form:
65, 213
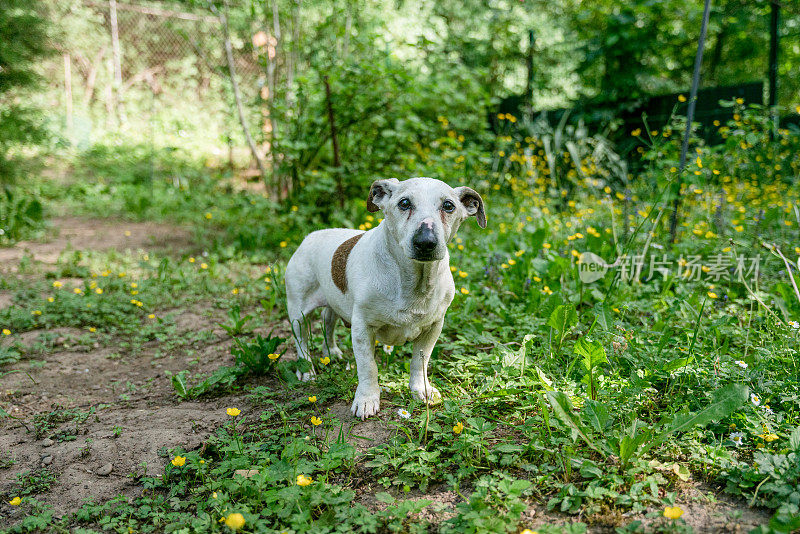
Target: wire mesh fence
152, 75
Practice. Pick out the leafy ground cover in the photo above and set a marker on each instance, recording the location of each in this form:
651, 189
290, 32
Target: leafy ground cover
148, 367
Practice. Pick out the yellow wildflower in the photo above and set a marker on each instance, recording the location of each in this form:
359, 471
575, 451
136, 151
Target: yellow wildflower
672, 512
235, 521
233, 412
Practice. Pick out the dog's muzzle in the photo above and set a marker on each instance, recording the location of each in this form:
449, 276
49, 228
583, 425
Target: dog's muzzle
424, 243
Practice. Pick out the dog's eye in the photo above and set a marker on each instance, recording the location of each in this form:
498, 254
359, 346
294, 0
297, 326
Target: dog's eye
448, 206
404, 204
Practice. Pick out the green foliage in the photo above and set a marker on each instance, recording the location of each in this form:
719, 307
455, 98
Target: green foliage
20, 214
236, 323
23, 31
638, 438
773, 481
494, 506
32, 482
601, 400
254, 356
251, 359
220, 379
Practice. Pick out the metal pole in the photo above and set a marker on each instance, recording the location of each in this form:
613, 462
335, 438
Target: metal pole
773, 59
529, 85
698, 61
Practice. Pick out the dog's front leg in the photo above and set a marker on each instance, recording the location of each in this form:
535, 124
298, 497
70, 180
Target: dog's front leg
418, 383
368, 393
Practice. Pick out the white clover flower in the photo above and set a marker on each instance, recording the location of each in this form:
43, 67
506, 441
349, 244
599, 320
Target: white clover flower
741, 364
403, 413
737, 438
755, 399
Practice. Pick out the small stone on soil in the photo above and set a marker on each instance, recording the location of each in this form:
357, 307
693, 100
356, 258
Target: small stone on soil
105, 470
47, 442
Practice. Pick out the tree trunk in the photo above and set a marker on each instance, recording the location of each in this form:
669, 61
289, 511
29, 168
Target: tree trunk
336, 161
68, 96
91, 78
237, 97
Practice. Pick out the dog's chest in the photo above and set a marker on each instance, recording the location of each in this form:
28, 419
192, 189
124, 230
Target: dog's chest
409, 322
399, 334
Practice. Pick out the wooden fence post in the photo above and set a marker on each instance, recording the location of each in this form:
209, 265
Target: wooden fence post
116, 54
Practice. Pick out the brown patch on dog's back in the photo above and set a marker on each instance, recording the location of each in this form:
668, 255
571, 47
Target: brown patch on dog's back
339, 262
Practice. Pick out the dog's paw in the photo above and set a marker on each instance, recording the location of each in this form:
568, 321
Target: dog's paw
335, 352
366, 404
306, 377
433, 395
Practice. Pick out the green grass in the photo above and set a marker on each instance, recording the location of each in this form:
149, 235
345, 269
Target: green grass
593, 399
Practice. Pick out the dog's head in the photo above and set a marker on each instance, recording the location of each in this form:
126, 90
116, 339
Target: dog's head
423, 214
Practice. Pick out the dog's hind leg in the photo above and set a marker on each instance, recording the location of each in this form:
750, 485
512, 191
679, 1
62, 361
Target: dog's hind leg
329, 324
302, 299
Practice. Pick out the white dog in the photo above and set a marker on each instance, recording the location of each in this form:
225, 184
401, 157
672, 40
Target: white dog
392, 283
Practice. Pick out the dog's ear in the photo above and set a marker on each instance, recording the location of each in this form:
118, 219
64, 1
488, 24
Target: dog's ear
380, 192
473, 202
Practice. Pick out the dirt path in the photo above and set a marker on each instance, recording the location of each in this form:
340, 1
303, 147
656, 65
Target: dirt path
95, 415
97, 234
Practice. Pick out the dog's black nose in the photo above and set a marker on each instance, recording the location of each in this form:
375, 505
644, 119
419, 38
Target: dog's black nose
424, 240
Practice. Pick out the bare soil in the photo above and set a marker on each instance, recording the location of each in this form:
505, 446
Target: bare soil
72, 233
134, 417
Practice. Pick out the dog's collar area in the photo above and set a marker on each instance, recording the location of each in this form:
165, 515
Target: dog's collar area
339, 262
